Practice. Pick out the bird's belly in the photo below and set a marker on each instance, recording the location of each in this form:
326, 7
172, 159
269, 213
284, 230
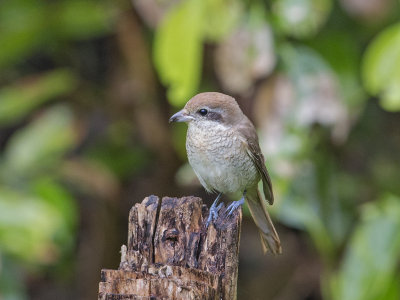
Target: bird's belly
221, 163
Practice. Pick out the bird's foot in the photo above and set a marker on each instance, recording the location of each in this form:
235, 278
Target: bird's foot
213, 214
214, 209
234, 205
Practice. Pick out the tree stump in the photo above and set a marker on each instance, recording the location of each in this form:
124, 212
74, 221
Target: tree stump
172, 255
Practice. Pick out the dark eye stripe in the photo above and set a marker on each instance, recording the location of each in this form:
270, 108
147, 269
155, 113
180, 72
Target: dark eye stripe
210, 115
214, 116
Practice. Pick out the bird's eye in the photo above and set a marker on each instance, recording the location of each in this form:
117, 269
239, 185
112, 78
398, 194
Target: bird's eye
203, 111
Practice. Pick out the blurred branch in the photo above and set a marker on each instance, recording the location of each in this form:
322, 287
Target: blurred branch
140, 89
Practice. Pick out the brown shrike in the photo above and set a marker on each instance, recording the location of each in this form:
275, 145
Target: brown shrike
223, 150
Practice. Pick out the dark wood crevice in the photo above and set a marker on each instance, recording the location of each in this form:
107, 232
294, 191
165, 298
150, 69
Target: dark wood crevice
172, 255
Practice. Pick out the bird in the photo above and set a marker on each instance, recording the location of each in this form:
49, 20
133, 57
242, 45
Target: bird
223, 150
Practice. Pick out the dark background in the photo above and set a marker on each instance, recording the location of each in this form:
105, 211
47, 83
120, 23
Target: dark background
86, 90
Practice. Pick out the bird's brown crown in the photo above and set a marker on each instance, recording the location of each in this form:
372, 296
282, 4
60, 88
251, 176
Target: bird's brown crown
227, 105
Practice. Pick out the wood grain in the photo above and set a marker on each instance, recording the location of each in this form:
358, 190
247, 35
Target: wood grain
172, 255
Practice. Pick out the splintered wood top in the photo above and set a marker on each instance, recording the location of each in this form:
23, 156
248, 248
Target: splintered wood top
171, 254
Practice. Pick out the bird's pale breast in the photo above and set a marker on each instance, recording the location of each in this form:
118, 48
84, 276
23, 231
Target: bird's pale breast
219, 159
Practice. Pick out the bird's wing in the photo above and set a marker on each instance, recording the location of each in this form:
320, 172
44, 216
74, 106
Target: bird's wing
249, 137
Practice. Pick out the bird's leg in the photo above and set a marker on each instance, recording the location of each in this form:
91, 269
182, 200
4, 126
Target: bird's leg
214, 210
235, 204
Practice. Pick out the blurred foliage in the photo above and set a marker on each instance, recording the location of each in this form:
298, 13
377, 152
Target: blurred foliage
27, 26
40, 145
84, 131
38, 214
178, 42
301, 18
382, 68
20, 99
177, 50
368, 271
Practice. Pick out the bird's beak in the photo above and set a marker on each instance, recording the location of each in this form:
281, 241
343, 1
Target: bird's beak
181, 116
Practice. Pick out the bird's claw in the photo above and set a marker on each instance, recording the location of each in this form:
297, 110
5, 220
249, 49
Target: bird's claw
234, 205
214, 210
213, 213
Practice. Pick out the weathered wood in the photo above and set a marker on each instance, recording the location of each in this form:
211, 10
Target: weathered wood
172, 255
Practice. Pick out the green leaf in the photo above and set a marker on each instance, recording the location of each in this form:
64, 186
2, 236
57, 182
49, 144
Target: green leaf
18, 100
27, 227
369, 268
178, 50
381, 68
41, 144
301, 18
220, 18
55, 195
49, 190
178, 43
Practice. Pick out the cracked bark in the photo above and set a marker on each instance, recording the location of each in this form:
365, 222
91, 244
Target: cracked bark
171, 255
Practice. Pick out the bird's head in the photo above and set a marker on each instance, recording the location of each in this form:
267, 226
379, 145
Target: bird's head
209, 107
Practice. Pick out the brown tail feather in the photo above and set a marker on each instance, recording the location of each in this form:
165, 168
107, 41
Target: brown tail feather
269, 237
